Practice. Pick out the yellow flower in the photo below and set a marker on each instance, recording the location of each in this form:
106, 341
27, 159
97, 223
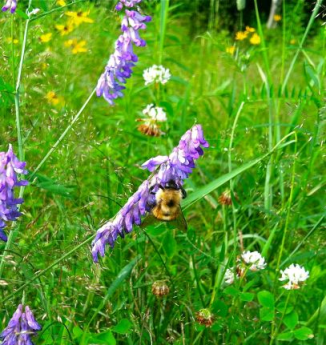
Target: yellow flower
79, 17
65, 29
77, 47
249, 29
53, 98
241, 35
46, 37
255, 39
230, 50
293, 41
10, 40
61, 3
277, 17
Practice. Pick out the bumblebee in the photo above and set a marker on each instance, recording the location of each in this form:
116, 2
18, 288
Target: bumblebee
167, 205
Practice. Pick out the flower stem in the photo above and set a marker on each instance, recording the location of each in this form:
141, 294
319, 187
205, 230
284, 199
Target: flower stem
19, 134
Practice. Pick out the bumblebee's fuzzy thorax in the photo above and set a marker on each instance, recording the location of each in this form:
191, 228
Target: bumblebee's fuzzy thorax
167, 204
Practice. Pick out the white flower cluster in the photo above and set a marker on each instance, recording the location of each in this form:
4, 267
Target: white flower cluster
251, 260
155, 113
255, 261
295, 275
157, 74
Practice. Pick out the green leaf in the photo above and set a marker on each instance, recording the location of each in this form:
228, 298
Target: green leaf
231, 291
105, 338
286, 336
291, 320
6, 87
247, 296
169, 244
123, 327
21, 14
52, 186
210, 187
282, 308
266, 314
303, 333
266, 299
77, 332
219, 308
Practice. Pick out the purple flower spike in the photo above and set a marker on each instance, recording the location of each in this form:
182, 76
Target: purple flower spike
121, 62
10, 4
10, 166
176, 167
21, 328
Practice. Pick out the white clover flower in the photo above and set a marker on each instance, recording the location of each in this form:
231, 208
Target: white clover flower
229, 276
155, 113
157, 74
254, 259
296, 275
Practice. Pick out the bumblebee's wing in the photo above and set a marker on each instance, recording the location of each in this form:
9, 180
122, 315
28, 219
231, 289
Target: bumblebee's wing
180, 222
148, 220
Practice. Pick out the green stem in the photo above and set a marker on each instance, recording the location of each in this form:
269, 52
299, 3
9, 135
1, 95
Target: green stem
274, 334
19, 134
288, 207
235, 235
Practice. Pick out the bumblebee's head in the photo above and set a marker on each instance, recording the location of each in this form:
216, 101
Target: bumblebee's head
172, 185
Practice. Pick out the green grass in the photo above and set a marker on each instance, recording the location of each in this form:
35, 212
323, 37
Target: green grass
262, 111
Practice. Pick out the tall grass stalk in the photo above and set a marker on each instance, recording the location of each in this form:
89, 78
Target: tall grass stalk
268, 192
312, 18
235, 122
163, 21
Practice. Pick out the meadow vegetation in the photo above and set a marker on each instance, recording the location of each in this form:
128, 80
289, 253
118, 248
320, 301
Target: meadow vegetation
259, 95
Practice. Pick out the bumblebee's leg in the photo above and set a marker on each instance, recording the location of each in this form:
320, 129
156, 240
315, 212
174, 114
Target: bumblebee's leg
184, 193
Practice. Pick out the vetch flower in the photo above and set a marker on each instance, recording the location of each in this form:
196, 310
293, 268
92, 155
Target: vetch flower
255, 39
61, 3
46, 37
10, 4
253, 260
10, 166
176, 167
295, 275
156, 74
21, 328
121, 62
77, 47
